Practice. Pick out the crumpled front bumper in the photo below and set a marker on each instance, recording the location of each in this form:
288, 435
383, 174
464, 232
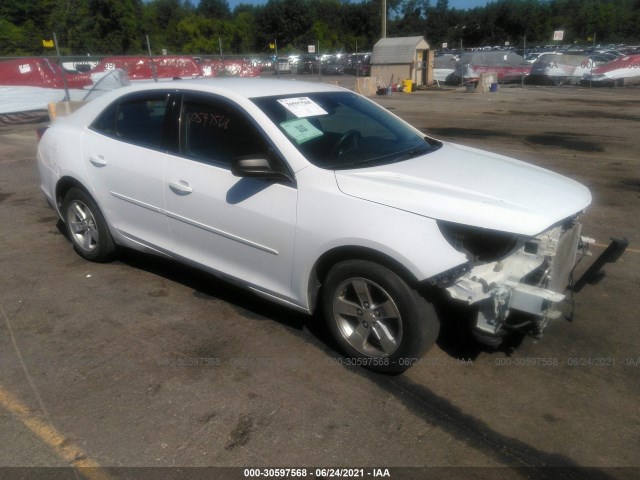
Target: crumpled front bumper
532, 281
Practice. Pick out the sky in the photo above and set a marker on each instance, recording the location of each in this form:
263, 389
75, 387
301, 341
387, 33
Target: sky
464, 4
459, 4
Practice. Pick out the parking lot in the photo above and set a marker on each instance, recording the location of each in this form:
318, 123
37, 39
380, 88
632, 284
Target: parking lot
146, 363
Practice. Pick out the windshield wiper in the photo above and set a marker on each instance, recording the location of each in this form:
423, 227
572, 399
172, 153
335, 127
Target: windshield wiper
414, 152
388, 158
385, 159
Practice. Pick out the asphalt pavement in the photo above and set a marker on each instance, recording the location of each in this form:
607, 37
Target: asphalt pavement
146, 363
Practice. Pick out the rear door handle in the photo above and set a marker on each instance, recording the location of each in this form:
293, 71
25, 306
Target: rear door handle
180, 187
98, 160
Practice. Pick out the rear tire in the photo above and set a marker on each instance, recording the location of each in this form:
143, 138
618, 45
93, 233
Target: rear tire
377, 320
86, 227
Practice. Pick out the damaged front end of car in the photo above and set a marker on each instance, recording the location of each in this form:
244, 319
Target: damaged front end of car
517, 282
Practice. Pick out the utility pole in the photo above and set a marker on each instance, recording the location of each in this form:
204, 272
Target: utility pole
383, 32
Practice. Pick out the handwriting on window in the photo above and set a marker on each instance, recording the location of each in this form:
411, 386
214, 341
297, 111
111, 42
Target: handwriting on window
209, 120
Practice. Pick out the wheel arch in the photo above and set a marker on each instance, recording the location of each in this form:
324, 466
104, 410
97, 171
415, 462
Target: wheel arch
68, 182
352, 252
65, 184
89, 232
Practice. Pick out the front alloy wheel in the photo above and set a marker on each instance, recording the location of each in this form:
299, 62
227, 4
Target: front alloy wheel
376, 317
367, 317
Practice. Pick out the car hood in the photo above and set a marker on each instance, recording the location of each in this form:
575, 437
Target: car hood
472, 187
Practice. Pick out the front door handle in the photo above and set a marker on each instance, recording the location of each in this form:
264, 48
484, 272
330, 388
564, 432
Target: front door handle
98, 160
180, 187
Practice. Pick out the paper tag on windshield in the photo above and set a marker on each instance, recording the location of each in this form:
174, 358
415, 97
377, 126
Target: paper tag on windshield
302, 107
301, 130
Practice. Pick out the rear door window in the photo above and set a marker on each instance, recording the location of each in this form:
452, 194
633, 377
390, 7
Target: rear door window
138, 119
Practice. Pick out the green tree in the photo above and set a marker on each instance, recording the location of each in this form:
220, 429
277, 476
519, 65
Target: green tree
116, 26
160, 21
439, 23
201, 35
18, 12
12, 39
119, 26
242, 32
71, 23
359, 26
216, 9
412, 18
284, 20
326, 36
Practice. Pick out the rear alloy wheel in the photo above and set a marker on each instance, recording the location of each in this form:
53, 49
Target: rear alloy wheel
376, 318
86, 227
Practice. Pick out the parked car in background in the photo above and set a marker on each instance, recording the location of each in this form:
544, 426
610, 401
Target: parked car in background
308, 64
331, 66
282, 65
508, 66
560, 69
598, 59
533, 56
619, 72
359, 64
444, 66
321, 200
615, 53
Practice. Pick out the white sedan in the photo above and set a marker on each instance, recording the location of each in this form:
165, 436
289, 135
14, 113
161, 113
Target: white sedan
319, 199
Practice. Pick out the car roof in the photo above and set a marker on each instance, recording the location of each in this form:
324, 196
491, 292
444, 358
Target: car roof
234, 88
242, 87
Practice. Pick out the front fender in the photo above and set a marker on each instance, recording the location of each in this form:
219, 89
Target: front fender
328, 220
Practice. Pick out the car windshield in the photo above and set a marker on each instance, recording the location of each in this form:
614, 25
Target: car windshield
342, 130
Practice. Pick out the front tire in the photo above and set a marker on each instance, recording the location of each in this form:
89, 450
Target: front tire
86, 227
376, 318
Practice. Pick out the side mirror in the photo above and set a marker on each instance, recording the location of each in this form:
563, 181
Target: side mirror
259, 167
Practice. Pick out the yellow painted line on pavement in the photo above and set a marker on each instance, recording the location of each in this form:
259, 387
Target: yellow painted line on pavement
41, 424
63, 447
